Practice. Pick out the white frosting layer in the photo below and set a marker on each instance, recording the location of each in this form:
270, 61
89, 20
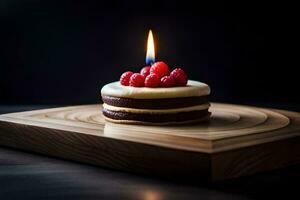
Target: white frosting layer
157, 111
193, 88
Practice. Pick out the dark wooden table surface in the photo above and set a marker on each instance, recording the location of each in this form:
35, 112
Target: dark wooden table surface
24, 175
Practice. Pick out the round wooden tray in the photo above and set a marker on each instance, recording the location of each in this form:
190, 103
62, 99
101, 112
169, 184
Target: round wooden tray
228, 122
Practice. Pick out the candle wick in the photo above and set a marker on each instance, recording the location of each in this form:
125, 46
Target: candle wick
150, 61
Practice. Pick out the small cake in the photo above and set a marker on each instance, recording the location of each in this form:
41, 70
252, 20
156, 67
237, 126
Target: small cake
156, 97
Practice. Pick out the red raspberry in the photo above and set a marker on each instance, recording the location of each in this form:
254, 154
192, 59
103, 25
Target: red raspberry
167, 81
137, 80
145, 71
160, 68
152, 80
125, 77
179, 76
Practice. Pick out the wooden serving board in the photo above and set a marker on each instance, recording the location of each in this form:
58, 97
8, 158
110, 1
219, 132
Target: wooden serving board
238, 140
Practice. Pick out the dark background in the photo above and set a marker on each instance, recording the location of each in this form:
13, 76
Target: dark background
63, 52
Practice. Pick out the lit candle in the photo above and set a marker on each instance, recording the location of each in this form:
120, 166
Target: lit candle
150, 55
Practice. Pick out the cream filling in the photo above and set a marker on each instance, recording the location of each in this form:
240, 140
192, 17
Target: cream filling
193, 88
157, 111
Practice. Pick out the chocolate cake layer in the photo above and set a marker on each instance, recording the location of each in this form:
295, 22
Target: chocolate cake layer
167, 103
156, 118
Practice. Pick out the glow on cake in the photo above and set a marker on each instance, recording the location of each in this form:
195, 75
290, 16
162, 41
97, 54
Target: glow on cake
156, 95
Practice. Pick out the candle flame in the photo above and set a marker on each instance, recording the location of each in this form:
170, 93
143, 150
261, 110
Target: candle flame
150, 55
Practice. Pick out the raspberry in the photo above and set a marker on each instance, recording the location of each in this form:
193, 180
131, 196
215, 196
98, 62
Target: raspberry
152, 80
160, 68
136, 80
167, 81
179, 76
125, 77
145, 71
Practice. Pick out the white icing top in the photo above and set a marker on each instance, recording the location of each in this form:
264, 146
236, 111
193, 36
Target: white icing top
193, 88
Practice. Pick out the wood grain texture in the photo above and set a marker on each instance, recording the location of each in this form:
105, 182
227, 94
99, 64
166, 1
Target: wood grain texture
238, 140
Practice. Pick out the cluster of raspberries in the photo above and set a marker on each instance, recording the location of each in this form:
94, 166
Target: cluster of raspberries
156, 75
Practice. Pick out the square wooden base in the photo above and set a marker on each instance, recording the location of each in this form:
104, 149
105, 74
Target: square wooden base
238, 141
